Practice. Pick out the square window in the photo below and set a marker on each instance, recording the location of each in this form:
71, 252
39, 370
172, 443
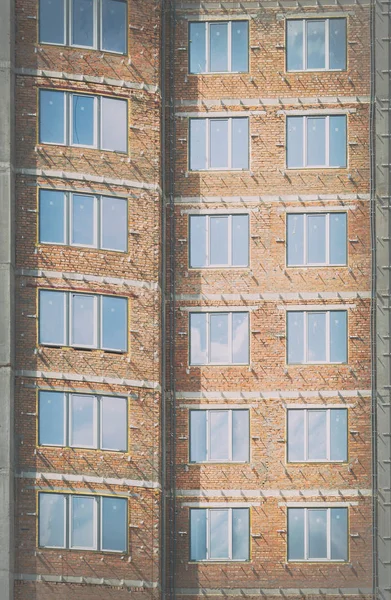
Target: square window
219, 338
317, 435
316, 239
316, 142
316, 44
218, 47
317, 534
219, 436
219, 144
219, 534
317, 337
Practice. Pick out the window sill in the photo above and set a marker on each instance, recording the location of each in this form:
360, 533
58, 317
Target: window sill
220, 365
75, 246
317, 462
82, 348
218, 73
314, 561
317, 70
92, 448
223, 561
315, 364
80, 147
220, 170
218, 463
317, 266
318, 168
88, 48
219, 268
59, 549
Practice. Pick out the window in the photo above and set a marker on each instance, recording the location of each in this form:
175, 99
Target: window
317, 435
315, 45
217, 144
83, 522
219, 436
219, 241
316, 239
83, 320
82, 421
219, 338
318, 534
83, 120
99, 24
218, 47
83, 220
219, 534
317, 337
315, 141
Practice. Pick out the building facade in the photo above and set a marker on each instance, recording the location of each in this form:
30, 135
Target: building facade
194, 328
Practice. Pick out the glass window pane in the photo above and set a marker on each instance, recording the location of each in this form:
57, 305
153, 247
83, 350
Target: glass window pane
114, 122
198, 350
316, 45
240, 240
240, 143
51, 117
114, 323
83, 220
218, 435
317, 533
316, 141
316, 239
198, 241
218, 235
218, 144
197, 435
339, 533
317, 432
295, 245
52, 21
240, 341
338, 239
316, 337
218, 40
82, 421
295, 533
51, 419
197, 534
83, 522
294, 34
52, 318
114, 524
197, 43
218, 534
239, 46
337, 43
294, 142
114, 22
296, 437
240, 435
338, 336
295, 334
114, 423
197, 144
338, 434
219, 347
114, 223
83, 22
83, 120
52, 520
338, 141
83, 331
51, 217
240, 533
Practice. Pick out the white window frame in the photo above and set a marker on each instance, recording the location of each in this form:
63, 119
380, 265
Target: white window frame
229, 264
230, 149
326, 21
306, 263
97, 522
97, 29
97, 426
230, 340
229, 46
327, 336
208, 433
208, 535
328, 537
328, 458
327, 141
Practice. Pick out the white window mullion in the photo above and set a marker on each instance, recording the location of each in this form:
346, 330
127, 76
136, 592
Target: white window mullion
305, 534
230, 149
327, 132
328, 434
99, 222
230, 533
229, 46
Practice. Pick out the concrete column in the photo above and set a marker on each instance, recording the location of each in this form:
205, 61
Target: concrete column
6, 298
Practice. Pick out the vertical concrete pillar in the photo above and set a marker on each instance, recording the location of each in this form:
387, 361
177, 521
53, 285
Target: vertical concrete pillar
6, 297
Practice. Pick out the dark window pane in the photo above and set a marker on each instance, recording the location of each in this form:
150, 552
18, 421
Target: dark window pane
338, 239
114, 323
294, 142
218, 435
338, 434
240, 159
52, 21
239, 45
198, 350
114, 524
51, 217
114, 423
240, 341
316, 45
218, 235
295, 533
338, 141
316, 141
83, 22
83, 519
197, 534
240, 533
83, 220
218, 39
294, 32
52, 318
339, 534
114, 223
296, 438
197, 42
218, 534
82, 421
52, 520
114, 23
51, 117
198, 241
240, 241
218, 144
219, 345
84, 323
317, 434
317, 533
295, 334
197, 435
114, 123
316, 337
240, 435
295, 245
316, 239
83, 120
197, 144
337, 43
338, 335
52, 419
